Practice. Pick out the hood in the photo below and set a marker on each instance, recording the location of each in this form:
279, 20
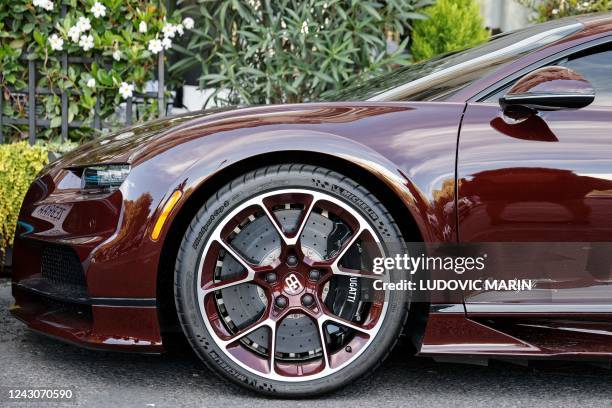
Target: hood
120, 146
138, 144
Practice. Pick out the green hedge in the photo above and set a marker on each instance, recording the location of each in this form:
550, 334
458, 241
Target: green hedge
452, 25
19, 165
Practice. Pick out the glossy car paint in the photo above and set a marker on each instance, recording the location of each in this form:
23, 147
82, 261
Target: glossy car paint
122, 263
409, 147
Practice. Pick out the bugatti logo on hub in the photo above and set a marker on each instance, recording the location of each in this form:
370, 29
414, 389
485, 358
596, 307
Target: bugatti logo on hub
293, 285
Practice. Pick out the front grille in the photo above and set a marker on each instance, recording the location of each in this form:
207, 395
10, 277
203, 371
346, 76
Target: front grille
61, 266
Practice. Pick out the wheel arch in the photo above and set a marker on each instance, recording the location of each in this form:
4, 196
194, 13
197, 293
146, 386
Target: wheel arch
396, 197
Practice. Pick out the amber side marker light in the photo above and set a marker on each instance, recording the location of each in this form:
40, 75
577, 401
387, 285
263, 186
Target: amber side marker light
161, 220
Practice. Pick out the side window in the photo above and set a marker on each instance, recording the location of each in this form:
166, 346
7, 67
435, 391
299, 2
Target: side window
594, 64
596, 67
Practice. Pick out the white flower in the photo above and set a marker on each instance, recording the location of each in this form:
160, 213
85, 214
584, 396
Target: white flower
180, 29
86, 42
167, 43
56, 42
325, 5
74, 33
83, 24
168, 30
142, 27
555, 11
586, 4
126, 90
304, 29
91, 83
188, 23
256, 4
46, 4
116, 55
98, 10
155, 46
283, 24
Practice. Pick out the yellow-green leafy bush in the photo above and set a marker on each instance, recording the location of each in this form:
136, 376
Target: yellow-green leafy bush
452, 25
19, 164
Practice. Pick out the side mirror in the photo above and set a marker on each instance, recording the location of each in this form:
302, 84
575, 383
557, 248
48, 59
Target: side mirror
548, 89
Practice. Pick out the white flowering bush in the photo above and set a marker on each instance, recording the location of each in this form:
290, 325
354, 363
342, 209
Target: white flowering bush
277, 51
125, 35
545, 10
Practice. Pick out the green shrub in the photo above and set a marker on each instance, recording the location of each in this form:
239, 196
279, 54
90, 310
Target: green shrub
265, 51
452, 25
19, 165
554, 9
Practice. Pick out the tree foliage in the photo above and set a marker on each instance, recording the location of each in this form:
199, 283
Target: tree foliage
452, 25
277, 51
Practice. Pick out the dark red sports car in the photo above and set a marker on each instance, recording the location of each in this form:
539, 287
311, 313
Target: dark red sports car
251, 229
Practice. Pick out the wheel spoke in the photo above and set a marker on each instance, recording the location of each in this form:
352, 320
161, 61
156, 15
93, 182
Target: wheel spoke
213, 287
289, 241
342, 322
248, 330
272, 327
250, 271
347, 246
333, 262
337, 270
234, 254
321, 330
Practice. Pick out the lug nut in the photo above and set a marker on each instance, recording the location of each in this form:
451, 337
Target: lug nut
314, 275
270, 277
308, 300
281, 302
292, 260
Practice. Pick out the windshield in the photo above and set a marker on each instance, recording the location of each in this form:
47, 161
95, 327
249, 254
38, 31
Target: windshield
442, 76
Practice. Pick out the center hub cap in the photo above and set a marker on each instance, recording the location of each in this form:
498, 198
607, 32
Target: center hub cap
292, 284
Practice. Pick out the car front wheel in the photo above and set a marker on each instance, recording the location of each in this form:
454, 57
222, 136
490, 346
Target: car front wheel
273, 281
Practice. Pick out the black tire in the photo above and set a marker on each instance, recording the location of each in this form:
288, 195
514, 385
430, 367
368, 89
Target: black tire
212, 213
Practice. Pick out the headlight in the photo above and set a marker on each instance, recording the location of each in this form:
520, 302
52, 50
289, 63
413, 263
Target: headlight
104, 177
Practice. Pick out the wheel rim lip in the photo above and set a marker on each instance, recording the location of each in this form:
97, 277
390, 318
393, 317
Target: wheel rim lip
201, 295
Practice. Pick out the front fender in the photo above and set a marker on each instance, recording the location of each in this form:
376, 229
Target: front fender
410, 147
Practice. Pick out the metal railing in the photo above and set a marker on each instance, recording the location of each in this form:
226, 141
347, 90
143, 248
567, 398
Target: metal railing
32, 121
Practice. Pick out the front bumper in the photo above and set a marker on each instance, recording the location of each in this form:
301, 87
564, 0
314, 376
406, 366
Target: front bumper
78, 275
83, 322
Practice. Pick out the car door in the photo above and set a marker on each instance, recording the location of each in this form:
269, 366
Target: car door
536, 194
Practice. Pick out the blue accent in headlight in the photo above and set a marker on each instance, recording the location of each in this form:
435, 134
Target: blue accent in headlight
104, 177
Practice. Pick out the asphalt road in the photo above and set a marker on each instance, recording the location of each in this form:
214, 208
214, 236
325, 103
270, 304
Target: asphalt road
102, 379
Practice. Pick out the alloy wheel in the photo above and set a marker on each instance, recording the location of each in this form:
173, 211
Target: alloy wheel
283, 285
